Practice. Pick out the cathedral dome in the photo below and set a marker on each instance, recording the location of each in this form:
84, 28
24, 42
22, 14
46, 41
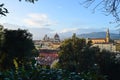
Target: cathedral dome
56, 38
56, 35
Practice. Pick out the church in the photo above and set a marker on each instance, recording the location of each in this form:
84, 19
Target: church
101, 40
104, 43
56, 39
50, 43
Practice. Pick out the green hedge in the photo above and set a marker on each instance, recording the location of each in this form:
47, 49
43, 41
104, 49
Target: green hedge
46, 74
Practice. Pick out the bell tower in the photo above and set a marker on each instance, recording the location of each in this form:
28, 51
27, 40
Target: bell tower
107, 36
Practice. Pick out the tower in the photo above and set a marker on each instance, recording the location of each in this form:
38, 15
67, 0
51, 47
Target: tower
56, 38
107, 36
46, 38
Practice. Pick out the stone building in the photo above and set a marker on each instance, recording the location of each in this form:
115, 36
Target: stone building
106, 46
104, 43
101, 40
48, 42
55, 39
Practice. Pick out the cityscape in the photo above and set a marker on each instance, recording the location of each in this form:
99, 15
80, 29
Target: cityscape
59, 40
49, 47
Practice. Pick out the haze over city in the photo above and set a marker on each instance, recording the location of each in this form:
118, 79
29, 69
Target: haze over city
64, 17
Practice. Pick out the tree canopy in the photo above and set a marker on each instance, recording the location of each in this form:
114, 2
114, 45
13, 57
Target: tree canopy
75, 55
78, 56
17, 47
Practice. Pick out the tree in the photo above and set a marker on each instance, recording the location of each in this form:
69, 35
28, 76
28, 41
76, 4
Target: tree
109, 65
1, 43
1, 36
17, 47
76, 55
108, 6
4, 11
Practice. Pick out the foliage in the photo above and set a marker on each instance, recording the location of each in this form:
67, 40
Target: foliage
39, 74
109, 65
18, 46
45, 74
1, 37
2, 56
55, 64
76, 55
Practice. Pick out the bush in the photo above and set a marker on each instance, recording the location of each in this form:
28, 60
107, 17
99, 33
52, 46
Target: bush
45, 74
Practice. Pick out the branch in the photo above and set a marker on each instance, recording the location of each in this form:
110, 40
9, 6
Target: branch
111, 7
3, 11
31, 1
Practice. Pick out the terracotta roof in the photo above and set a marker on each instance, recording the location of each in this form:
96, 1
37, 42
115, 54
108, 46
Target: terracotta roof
56, 35
46, 58
47, 51
97, 38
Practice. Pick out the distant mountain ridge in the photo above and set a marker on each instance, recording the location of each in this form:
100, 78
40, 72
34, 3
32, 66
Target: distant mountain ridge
99, 35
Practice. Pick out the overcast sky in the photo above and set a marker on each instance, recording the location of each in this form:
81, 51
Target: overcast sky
54, 16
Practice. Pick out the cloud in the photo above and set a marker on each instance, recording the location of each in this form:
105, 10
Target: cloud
69, 30
79, 30
38, 33
39, 20
13, 26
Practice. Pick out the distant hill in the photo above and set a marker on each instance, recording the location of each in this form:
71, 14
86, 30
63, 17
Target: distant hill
99, 35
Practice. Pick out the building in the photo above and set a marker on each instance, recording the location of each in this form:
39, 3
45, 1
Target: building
56, 38
46, 38
106, 46
103, 43
48, 48
48, 43
101, 40
46, 57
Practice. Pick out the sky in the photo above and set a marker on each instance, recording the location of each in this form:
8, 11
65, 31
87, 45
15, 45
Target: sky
49, 17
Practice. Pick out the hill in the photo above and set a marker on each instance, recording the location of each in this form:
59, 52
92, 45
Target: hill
99, 35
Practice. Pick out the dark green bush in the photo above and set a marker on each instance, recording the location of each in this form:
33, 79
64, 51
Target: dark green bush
44, 74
